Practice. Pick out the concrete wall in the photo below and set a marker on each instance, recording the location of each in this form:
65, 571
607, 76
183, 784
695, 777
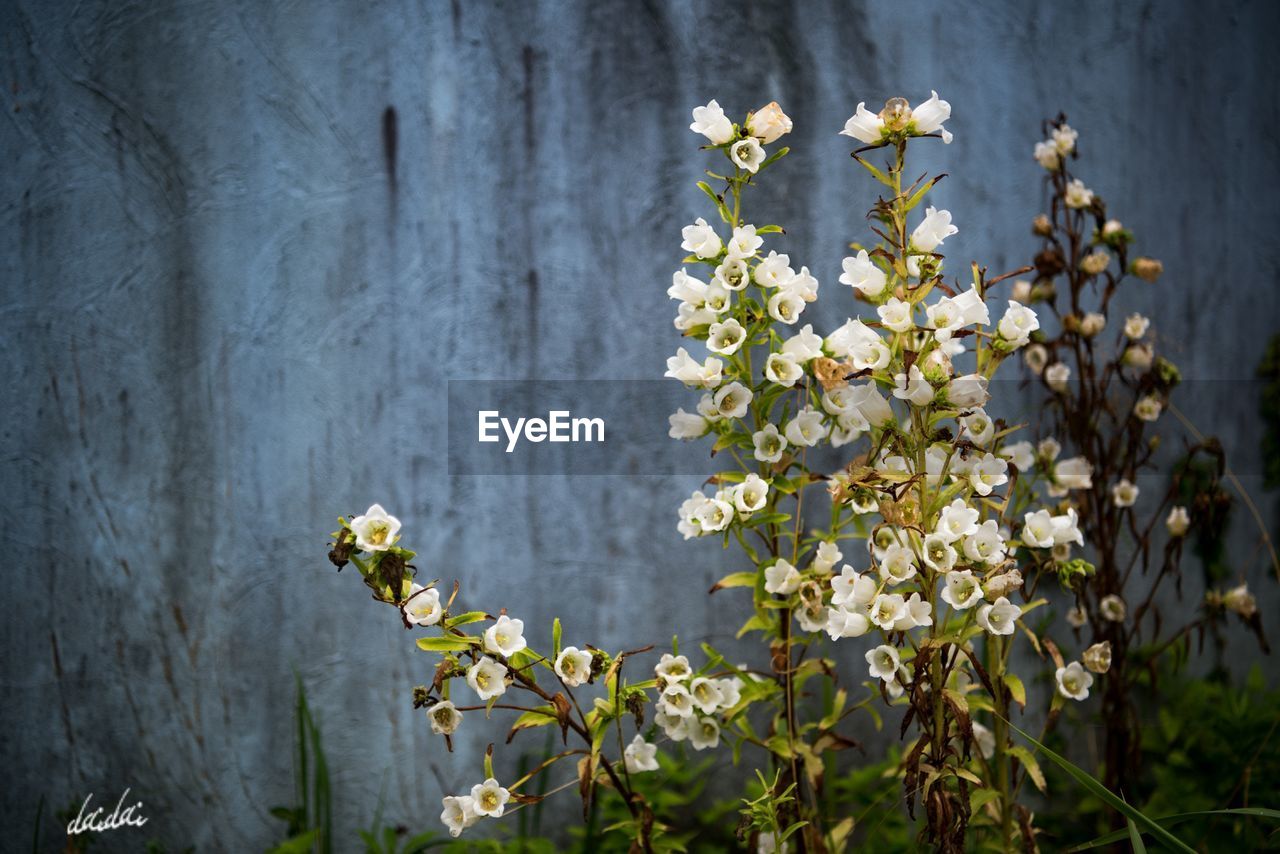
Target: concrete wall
245, 244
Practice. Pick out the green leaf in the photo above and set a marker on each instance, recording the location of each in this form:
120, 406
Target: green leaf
540, 716
300, 844
556, 631
776, 156
735, 579
706, 188
465, 619
1105, 795
770, 519
1135, 839
880, 176
769, 229
1016, 689
451, 643
1033, 767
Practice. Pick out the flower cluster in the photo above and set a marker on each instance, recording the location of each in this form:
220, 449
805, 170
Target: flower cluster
690, 706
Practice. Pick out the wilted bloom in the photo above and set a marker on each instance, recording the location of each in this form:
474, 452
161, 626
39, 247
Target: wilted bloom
459, 813
769, 444
747, 154
883, 662
1073, 681
1078, 195
573, 666
487, 678
444, 718
489, 798
1147, 269
1057, 376
861, 272
701, 239
999, 618
935, 228
782, 578
769, 123
1240, 600
711, 122
640, 756
864, 125
1124, 493
1112, 608
1147, 408
422, 607
1135, 326
1002, 584
1098, 657
1077, 617
505, 636
1178, 522
375, 530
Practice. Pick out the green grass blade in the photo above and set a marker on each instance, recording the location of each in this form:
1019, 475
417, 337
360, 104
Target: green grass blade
1135, 839
1118, 835
1119, 804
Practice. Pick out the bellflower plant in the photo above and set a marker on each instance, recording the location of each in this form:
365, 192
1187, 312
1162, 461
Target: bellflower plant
914, 563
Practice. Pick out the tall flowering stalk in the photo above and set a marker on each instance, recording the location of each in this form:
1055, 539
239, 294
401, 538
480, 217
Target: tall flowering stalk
1106, 392
935, 587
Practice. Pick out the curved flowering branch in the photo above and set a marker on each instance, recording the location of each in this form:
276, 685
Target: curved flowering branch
1105, 403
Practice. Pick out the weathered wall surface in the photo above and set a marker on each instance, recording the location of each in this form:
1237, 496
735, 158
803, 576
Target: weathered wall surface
245, 244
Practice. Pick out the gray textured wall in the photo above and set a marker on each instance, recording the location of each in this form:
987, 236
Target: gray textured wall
234, 290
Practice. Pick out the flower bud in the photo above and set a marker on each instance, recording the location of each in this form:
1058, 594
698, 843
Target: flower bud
1003, 584
1021, 291
1138, 356
1111, 228
1095, 262
1098, 657
1240, 600
1041, 227
769, 123
1178, 522
1147, 269
1092, 323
